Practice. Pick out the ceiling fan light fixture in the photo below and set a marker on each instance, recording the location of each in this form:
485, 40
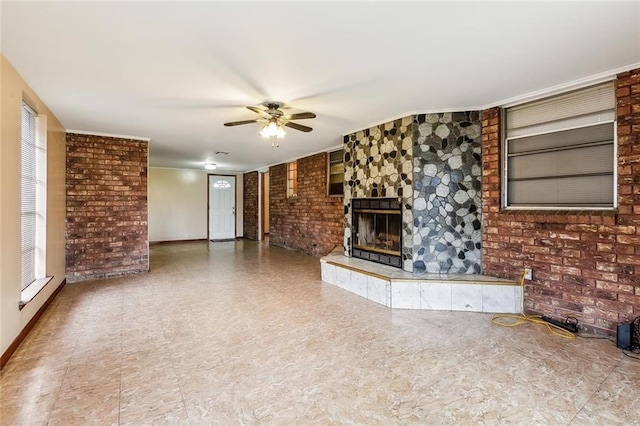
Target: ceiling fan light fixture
272, 130
265, 132
274, 121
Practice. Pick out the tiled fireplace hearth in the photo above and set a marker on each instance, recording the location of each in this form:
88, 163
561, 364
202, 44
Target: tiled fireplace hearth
398, 289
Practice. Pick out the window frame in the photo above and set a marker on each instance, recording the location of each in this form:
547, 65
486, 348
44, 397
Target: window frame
504, 160
329, 173
222, 184
38, 171
292, 179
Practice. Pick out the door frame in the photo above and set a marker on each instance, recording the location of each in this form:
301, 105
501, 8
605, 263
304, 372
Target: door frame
235, 203
263, 188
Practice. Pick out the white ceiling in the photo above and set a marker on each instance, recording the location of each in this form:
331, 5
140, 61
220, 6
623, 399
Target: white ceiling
174, 72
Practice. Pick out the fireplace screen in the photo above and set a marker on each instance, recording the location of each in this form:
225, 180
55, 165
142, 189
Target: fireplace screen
377, 230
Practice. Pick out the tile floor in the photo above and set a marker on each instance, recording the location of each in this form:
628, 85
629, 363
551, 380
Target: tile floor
242, 333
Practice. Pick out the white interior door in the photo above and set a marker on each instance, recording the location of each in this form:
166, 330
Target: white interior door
222, 207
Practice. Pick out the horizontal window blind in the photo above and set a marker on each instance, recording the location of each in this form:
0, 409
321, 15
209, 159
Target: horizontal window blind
28, 195
590, 135
560, 150
563, 192
591, 105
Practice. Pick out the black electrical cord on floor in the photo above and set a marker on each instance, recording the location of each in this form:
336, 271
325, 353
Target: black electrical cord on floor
631, 356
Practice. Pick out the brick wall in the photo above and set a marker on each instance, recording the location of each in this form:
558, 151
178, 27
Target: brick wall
585, 264
250, 201
106, 221
312, 222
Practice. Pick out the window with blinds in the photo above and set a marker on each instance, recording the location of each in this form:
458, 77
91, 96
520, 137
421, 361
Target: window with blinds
33, 157
560, 151
292, 179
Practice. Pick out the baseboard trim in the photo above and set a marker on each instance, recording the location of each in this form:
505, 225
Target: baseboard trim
25, 331
177, 241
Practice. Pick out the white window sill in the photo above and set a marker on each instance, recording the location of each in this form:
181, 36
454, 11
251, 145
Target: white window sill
559, 208
32, 290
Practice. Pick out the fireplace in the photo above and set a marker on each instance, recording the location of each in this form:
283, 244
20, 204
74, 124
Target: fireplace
377, 230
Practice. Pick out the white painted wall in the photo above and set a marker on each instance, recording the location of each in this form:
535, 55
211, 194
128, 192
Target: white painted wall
178, 204
13, 90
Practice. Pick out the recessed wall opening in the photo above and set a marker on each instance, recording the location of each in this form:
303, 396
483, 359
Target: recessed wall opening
377, 230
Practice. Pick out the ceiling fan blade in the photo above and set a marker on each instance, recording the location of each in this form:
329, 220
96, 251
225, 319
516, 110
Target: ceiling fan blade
298, 126
301, 116
238, 123
257, 110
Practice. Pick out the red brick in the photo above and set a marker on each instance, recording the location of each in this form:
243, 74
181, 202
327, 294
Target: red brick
312, 222
601, 293
619, 306
600, 251
623, 91
581, 299
601, 313
628, 259
605, 247
632, 300
554, 260
106, 214
250, 184
628, 239
580, 263
566, 270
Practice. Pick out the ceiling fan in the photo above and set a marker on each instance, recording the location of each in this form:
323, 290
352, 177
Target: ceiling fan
274, 119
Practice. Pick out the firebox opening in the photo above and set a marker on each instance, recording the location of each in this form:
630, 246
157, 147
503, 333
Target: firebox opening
377, 230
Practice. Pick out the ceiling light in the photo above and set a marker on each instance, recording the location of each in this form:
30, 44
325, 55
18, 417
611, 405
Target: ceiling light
272, 130
210, 166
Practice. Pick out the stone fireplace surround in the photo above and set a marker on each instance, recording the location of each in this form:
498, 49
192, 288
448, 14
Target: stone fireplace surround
432, 164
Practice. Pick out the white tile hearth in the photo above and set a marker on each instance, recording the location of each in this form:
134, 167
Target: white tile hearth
496, 297
359, 284
329, 273
379, 291
435, 297
398, 289
465, 297
405, 295
343, 278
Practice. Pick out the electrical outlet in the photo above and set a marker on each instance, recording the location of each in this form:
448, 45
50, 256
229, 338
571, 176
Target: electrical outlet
528, 274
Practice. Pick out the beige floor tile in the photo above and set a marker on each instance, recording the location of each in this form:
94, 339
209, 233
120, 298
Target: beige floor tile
243, 333
29, 409
617, 400
157, 400
96, 404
